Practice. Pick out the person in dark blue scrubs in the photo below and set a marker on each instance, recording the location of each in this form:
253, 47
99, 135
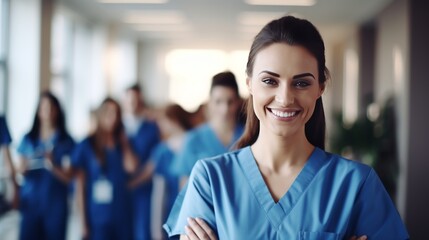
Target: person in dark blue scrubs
143, 134
7, 166
103, 164
280, 183
44, 161
220, 132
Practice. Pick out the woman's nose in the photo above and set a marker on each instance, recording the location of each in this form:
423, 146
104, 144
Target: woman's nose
284, 96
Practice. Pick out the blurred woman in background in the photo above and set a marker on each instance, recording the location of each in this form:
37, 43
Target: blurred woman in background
173, 122
220, 132
143, 134
44, 161
103, 164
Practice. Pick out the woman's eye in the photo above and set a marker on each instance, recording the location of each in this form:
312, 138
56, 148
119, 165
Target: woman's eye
269, 81
301, 84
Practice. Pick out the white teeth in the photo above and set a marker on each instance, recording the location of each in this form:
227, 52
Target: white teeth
283, 114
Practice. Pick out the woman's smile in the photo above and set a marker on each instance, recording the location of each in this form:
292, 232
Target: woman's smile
284, 114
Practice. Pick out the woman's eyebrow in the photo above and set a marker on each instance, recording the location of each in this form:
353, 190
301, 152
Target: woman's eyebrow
270, 73
303, 75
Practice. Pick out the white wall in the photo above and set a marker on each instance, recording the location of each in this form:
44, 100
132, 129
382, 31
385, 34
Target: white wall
24, 56
155, 78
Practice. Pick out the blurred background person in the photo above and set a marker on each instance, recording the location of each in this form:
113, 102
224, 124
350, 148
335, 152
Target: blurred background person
143, 135
173, 123
103, 163
44, 160
221, 130
8, 198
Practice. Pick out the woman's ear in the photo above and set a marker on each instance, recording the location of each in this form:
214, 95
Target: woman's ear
322, 89
249, 85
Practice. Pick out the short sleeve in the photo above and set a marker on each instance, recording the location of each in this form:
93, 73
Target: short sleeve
187, 157
5, 138
374, 213
193, 201
24, 147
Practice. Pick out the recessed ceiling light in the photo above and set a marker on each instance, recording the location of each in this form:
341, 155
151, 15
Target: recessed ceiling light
134, 1
258, 18
162, 28
282, 2
154, 17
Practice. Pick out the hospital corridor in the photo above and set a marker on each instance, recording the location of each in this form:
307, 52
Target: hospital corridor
148, 119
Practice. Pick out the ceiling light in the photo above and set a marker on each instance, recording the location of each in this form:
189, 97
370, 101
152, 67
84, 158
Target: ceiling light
134, 1
258, 19
282, 2
162, 28
154, 17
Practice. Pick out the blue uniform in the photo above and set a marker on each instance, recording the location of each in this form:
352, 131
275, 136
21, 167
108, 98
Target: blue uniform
5, 138
43, 197
109, 215
163, 156
331, 198
200, 143
143, 142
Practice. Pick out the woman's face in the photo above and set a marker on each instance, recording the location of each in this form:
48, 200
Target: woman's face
132, 101
47, 112
223, 104
284, 86
108, 117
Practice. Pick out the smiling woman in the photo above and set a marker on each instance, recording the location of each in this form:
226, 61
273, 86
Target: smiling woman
280, 183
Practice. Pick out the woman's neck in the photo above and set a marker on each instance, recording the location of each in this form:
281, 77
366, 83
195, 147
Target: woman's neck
222, 126
46, 130
224, 131
277, 152
107, 139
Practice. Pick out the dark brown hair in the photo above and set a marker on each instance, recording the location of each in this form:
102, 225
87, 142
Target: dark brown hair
225, 79
177, 114
59, 121
97, 139
292, 31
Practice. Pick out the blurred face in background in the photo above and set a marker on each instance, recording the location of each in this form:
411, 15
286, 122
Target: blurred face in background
166, 125
108, 117
47, 112
133, 101
223, 104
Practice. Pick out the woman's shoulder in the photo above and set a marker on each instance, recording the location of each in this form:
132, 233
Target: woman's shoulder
196, 134
222, 162
346, 167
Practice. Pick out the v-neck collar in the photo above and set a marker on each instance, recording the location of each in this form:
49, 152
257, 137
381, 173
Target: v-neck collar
214, 138
276, 212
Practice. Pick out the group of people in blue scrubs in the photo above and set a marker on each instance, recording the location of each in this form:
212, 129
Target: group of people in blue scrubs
110, 172
280, 183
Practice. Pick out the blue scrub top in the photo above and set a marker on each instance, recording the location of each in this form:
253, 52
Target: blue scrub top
5, 138
143, 143
42, 190
117, 213
145, 140
200, 143
164, 158
331, 198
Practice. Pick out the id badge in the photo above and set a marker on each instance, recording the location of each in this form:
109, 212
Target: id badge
102, 191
